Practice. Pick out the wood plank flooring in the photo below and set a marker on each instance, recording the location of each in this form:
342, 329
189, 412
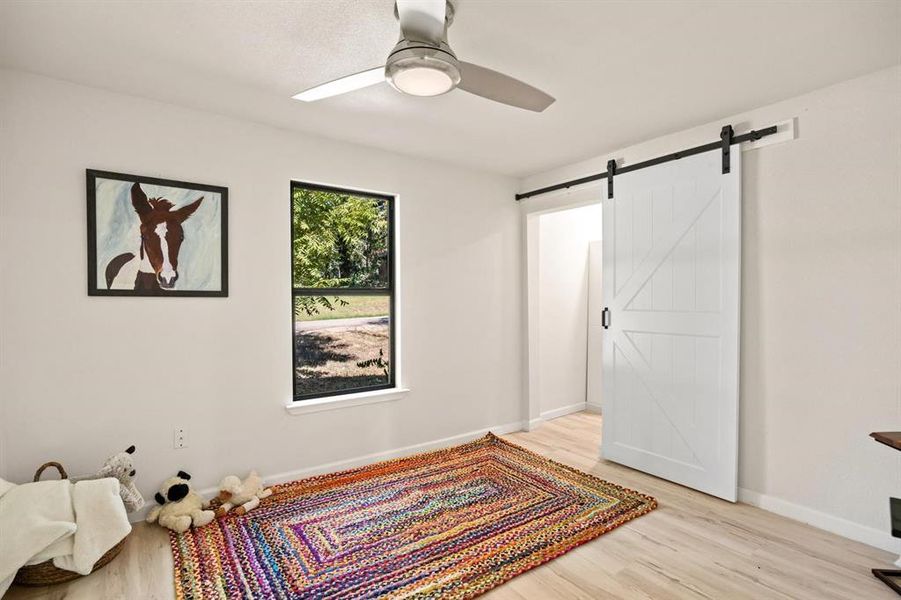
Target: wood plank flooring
693, 546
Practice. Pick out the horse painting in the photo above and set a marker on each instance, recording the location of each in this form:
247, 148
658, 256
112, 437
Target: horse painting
161, 239
143, 229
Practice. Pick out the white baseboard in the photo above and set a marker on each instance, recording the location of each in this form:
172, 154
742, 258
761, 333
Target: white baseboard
359, 461
533, 424
593, 408
853, 531
563, 411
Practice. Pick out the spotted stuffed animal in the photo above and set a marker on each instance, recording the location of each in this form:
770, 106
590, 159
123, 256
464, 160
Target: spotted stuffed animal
120, 466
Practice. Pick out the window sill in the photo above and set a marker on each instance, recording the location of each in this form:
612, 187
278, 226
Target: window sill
315, 405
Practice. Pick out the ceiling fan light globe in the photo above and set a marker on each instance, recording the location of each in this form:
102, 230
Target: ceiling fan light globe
422, 81
422, 72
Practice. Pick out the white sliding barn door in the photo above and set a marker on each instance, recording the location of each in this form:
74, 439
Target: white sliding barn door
671, 279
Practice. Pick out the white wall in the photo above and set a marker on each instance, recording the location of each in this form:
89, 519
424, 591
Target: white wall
82, 377
821, 301
563, 241
821, 350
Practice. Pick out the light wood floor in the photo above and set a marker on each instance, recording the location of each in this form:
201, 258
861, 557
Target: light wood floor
693, 546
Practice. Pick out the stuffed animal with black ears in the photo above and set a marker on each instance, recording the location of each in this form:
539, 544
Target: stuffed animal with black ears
180, 506
121, 467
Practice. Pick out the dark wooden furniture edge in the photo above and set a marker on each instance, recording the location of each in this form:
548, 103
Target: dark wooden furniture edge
885, 576
889, 438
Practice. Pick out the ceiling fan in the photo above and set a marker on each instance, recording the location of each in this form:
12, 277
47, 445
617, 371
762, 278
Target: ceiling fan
423, 64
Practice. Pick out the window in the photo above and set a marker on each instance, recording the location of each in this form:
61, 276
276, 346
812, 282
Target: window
342, 267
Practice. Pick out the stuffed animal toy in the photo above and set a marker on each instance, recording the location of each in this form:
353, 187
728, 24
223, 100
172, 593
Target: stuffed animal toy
121, 467
246, 495
180, 506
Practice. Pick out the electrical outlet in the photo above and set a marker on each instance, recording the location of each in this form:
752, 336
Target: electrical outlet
181, 438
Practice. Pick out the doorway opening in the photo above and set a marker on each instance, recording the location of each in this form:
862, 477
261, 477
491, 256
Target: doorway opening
564, 303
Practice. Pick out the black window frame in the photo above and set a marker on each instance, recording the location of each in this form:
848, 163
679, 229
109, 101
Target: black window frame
389, 291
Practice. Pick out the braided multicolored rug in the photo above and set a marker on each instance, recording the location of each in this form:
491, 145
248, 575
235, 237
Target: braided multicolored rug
447, 524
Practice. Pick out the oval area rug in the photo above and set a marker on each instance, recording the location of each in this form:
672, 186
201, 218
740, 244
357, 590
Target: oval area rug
452, 523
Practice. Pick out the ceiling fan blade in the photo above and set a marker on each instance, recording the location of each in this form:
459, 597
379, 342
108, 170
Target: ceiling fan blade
502, 88
422, 20
357, 81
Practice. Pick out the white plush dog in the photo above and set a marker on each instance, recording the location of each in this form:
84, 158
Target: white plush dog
246, 495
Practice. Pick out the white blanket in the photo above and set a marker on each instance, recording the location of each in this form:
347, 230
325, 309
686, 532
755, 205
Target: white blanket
73, 524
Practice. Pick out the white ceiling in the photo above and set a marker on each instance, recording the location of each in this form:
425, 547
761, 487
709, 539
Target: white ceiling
622, 72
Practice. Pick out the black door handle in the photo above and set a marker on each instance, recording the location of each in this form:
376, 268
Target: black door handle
605, 318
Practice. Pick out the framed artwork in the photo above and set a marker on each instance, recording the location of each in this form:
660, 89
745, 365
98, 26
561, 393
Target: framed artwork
156, 237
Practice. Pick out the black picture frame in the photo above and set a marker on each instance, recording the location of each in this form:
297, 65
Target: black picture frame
91, 177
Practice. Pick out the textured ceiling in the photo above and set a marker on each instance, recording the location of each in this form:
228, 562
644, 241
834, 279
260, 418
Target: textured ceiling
622, 72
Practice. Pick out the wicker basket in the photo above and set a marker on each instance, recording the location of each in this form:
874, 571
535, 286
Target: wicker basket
45, 573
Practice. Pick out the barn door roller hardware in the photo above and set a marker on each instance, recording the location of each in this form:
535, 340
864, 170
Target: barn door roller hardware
726, 136
726, 141
611, 171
